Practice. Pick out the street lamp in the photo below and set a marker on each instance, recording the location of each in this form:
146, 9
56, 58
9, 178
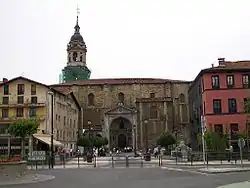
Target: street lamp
134, 127
89, 127
146, 133
52, 129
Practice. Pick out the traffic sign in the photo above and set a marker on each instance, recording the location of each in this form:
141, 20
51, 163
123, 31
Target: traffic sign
241, 143
203, 125
37, 156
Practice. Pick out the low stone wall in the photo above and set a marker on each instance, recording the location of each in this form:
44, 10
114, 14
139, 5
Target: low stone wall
10, 170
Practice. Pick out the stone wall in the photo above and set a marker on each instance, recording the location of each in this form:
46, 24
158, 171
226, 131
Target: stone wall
176, 116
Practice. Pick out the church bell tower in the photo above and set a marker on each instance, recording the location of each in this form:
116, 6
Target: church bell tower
76, 68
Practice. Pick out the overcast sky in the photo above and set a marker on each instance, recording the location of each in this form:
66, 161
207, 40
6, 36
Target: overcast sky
125, 38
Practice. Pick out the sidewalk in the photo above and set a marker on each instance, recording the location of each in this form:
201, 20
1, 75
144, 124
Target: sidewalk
199, 163
212, 170
26, 179
245, 184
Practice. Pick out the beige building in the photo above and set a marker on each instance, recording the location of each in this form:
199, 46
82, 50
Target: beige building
25, 98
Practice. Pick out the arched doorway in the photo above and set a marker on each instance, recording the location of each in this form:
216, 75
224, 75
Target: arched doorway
122, 141
120, 133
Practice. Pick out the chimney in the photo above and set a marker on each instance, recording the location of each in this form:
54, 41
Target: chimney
212, 65
5, 80
221, 60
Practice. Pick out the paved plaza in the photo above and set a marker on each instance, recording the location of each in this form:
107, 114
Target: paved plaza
135, 178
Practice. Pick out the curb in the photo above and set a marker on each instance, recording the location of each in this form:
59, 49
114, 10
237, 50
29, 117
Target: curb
224, 172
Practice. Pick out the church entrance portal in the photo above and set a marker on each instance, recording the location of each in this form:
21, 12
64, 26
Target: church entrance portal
121, 133
122, 141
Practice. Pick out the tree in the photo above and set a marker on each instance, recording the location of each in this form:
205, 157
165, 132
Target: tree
23, 128
94, 141
214, 141
166, 140
84, 142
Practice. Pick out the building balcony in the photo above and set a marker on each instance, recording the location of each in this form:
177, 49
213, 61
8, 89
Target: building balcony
10, 119
24, 105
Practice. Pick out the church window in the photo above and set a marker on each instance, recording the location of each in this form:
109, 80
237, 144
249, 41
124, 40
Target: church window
153, 112
182, 98
121, 97
91, 99
81, 58
74, 56
152, 95
69, 59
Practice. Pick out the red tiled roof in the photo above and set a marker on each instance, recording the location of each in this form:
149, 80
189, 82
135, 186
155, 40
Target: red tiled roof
63, 91
233, 65
226, 66
119, 81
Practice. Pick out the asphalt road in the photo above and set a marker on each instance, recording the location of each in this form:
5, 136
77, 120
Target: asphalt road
133, 178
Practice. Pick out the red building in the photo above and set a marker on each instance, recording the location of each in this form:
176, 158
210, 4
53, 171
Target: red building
218, 93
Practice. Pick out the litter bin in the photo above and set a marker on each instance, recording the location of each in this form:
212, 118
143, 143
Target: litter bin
147, 157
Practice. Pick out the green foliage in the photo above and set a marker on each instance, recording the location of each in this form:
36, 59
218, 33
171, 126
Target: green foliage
94, 141
242, 135
214, 141
23, 127
84, 141
166, 140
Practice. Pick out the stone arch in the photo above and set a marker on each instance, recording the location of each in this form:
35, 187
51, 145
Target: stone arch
91, 99
121, 133
122, 117
182, 98
74, 56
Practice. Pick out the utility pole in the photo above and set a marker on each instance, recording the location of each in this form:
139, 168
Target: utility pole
52, 129
203, 130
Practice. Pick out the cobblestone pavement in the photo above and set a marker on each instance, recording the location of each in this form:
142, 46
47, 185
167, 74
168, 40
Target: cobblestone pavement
135, 178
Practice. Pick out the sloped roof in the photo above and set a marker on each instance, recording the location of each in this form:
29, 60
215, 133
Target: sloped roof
224, 67
62, 91
120, 81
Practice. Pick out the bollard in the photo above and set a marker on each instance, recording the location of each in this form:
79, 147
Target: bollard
63, 161
112, 161
94, 161
141, 161
48, 161
78, 161
191, 159
127, 163
159, 160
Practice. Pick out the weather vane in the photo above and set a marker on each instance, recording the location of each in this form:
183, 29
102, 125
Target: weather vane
77, 11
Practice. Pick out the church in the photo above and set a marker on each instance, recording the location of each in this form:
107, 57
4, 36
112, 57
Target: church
129, 112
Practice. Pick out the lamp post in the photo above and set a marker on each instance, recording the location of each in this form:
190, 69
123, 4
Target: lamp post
52, 129
146, 133
89, 127
134, 127
247, 133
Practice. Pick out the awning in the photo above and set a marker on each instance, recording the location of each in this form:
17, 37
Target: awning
47, 140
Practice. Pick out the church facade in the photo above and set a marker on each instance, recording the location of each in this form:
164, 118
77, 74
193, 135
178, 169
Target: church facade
129, 112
